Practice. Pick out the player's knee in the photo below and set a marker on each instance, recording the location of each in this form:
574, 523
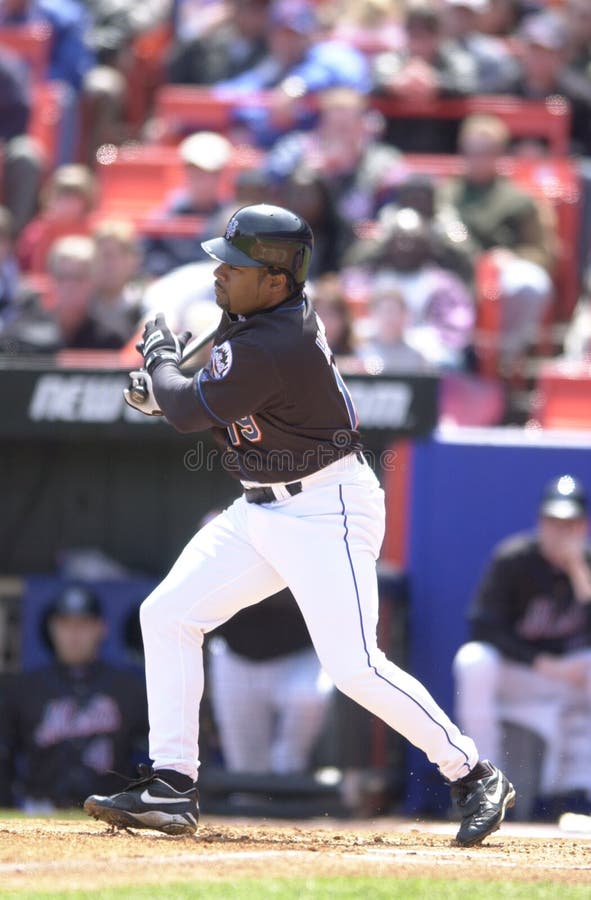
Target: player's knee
352, 683
476, 661
151, 611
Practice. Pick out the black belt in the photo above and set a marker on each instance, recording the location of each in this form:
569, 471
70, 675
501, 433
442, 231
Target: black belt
267, 495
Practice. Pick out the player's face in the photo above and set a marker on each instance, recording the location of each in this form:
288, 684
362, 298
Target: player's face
560, 539
76, 639
243, 289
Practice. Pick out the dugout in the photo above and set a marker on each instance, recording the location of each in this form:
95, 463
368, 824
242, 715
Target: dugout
468, 489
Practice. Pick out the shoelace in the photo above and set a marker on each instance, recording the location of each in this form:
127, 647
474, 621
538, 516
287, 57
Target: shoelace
145, 776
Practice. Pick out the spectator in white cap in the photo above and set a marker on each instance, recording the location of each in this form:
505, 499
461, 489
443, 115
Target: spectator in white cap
207, 160
206, 156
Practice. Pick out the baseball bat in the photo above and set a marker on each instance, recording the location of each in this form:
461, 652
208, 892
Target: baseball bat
137, 386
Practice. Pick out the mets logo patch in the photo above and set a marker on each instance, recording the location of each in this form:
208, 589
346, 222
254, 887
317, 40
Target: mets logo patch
231, 229
220, 361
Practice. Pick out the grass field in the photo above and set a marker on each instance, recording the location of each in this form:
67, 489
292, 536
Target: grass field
324, 889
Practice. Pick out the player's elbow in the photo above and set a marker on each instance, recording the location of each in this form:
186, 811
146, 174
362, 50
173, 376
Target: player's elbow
184, 425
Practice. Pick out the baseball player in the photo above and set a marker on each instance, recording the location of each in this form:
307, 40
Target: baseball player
311, 516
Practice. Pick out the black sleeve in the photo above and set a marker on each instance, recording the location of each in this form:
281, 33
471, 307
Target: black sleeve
236, 382
178, 399
239, 380
492, 614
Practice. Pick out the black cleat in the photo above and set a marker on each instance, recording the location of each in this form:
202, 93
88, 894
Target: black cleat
149, 802
482, 803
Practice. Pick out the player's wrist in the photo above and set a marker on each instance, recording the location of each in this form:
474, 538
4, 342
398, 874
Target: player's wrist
157, 357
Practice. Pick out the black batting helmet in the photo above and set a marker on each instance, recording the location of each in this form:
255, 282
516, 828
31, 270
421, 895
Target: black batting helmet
265, 236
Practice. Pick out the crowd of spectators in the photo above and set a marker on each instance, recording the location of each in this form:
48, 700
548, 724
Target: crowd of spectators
319, 144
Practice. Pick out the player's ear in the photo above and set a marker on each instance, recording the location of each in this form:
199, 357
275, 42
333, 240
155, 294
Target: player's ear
277, 279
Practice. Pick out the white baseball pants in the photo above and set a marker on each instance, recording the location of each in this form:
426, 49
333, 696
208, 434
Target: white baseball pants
323, 543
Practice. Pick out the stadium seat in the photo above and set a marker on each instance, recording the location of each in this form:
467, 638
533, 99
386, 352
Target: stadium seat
488, 322
546, 119
563, 394
146, 72
134, 180
32, 44
47, 118
51, 233
176, 226
182, 108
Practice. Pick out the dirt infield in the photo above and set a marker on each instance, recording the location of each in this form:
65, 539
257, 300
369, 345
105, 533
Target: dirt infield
51, 854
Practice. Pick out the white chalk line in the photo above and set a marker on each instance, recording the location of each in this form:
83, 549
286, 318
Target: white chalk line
369, 856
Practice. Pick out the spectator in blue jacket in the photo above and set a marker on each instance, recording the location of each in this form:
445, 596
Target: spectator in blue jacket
300, 61
70, 56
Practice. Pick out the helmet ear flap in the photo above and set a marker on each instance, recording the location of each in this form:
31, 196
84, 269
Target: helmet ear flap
297, 264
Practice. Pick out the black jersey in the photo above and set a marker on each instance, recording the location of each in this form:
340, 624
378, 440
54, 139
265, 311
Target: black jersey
525, 606
64, 730
274, 396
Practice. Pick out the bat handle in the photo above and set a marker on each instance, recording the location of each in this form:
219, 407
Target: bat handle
138, 391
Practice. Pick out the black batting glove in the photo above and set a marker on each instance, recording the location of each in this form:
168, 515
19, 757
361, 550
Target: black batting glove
159, 343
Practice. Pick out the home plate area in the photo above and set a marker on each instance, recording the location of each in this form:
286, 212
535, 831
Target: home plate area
79, 854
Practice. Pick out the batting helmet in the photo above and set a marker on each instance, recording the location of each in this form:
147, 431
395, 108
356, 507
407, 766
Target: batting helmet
265, 236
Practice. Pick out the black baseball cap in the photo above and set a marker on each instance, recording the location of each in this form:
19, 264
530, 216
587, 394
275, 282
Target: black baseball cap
564, 498
76, 600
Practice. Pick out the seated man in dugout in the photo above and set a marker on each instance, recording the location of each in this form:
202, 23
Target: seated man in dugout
527, 664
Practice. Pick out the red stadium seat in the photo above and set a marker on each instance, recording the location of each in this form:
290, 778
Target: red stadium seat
47, 116
177, 226
134, 181
179, 109
146, 71
32, 43
563, 396
52, 232
548, 119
